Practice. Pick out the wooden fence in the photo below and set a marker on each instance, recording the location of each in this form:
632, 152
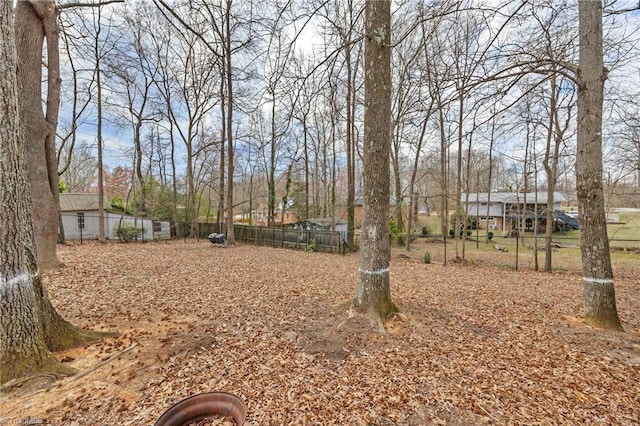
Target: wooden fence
316, 240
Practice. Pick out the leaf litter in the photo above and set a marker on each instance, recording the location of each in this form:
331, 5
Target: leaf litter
472, 344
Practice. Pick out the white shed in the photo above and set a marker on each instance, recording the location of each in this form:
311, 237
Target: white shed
80, 219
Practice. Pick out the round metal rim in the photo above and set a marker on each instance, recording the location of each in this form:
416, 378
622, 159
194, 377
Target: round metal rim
203, 405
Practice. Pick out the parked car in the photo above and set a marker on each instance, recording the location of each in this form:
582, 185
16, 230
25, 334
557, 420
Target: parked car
573, 214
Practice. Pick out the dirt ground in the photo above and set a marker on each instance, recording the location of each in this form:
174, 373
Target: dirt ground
473, 344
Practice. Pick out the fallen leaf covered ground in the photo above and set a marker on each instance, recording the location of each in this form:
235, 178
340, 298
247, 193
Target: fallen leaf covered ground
472, 345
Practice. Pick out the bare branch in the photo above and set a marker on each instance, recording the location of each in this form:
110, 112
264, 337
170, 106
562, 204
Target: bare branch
80, 4
537, 66
609, 12
186, 25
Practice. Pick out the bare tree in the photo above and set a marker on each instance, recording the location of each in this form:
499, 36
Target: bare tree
599, 291
97, 56
80, 173
228, 84
556, 135
198, 87
438, 74
404, 101
133, 75
344, 20
80, 99
373, 294
98, 39
307, 92
278, 53
414, 172
167, 84
230, 33
623, 156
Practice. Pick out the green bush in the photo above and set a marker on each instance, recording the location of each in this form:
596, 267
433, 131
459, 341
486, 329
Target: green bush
451, 232
393, 228
489, 235
312, 245
62, 188
128, 233
396, 233
427, 257
424, 231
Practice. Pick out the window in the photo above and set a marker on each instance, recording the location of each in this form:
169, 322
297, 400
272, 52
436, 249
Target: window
157, 226
80, 220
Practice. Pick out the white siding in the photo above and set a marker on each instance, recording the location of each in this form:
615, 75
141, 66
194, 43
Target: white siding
495, 209
112, 221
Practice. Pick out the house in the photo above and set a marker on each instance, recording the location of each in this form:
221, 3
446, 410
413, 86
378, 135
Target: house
358, 209
502, 210
342, 212
286, 216
80, 219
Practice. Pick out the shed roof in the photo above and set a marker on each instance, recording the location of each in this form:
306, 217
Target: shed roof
81, 202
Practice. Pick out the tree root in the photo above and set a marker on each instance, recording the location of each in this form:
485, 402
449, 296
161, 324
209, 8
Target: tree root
50, 367
74, 336
376, 320
103, 363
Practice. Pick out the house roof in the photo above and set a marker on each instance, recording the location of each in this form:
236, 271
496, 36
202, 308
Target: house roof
327, 221
513, 197
81, 202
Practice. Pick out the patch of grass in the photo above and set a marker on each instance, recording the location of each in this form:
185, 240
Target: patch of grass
565, 259
630, 217
620, 235
627, 235
506, 265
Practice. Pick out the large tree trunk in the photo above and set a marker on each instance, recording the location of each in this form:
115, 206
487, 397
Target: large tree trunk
23, 350
599, 292
34, 22
373, 295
